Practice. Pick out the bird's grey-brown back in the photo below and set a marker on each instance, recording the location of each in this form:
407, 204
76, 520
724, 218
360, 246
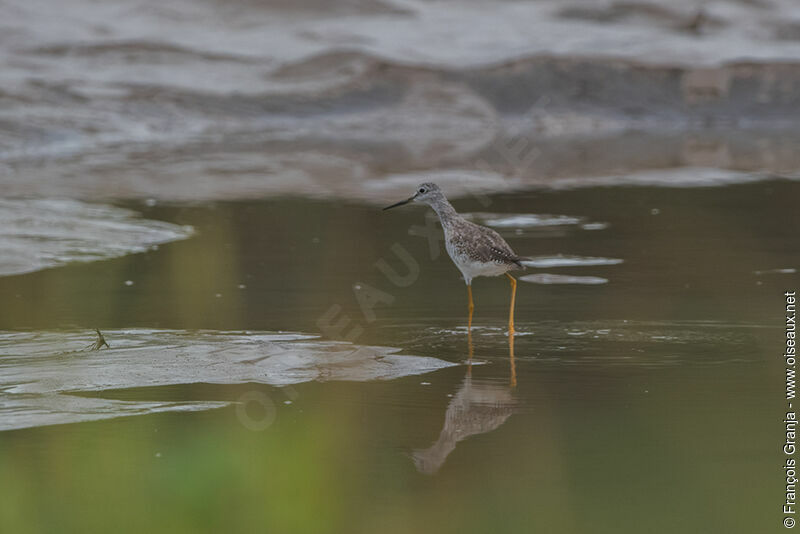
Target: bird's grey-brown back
481, 244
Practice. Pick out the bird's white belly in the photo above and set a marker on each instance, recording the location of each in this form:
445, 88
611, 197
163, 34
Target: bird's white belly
471, 268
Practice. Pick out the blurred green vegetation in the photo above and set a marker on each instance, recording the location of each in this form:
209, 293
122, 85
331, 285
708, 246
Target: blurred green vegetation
576, 457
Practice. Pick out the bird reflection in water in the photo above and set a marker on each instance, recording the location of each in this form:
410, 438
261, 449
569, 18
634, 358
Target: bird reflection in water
476, 408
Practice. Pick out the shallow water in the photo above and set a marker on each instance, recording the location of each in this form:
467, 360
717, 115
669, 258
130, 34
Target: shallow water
37, 234
44, 373
650, 402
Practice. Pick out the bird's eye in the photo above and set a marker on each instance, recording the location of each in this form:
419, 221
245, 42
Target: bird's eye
421, 189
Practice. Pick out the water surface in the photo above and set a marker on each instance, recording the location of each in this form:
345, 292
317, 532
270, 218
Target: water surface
649, 402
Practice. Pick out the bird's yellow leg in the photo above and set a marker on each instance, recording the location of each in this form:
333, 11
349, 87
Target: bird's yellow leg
511, 310
513, 378
471, 307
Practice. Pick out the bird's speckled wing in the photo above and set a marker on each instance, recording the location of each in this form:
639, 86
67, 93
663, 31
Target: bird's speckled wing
483, 245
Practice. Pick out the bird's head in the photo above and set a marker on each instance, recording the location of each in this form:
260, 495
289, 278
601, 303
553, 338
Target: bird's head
427, 193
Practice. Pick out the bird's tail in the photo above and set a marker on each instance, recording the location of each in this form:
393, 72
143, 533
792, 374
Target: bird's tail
520, 261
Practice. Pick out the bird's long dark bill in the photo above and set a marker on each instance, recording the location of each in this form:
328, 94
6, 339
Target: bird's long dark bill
406, 201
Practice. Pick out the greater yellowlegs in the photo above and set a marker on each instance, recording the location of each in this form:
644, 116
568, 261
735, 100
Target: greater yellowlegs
476, 250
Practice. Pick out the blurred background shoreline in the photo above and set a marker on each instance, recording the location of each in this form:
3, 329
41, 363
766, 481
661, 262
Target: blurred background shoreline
203, 100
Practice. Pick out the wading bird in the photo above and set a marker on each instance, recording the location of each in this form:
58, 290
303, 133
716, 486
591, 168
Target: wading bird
476, 250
